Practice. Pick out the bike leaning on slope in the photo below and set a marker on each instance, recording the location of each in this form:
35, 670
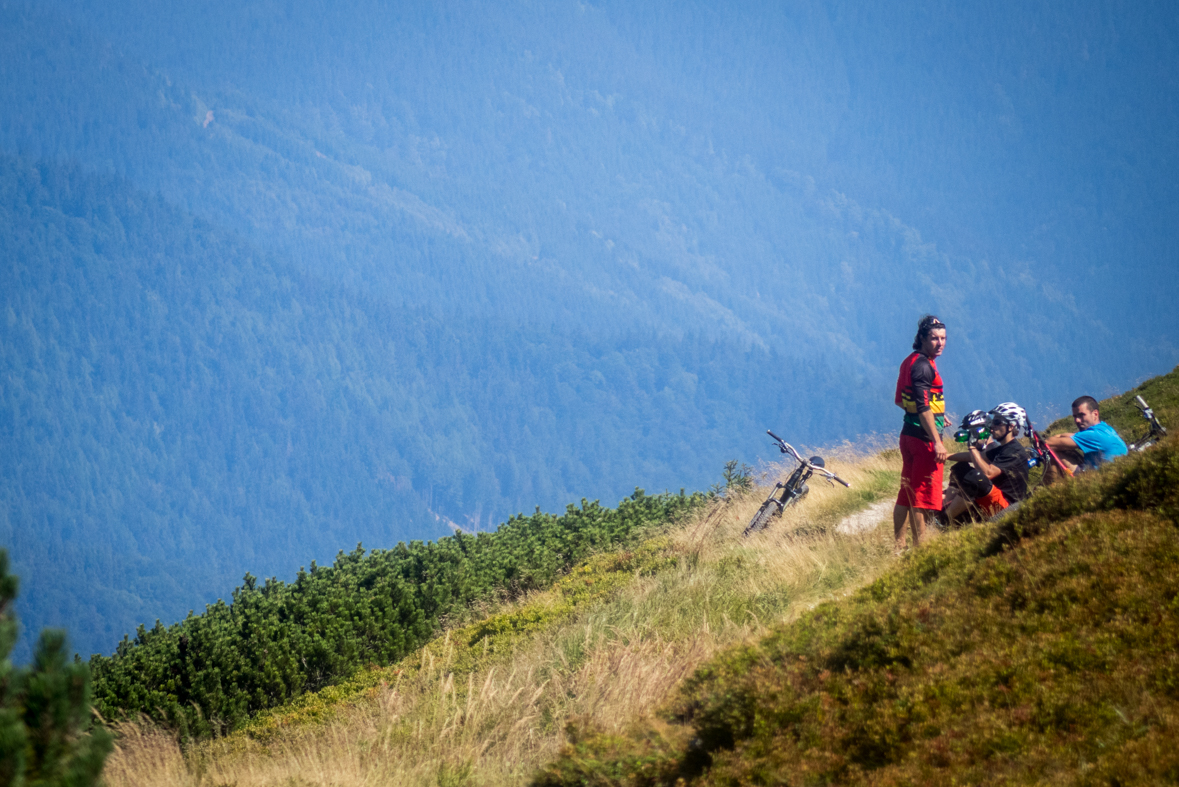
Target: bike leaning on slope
1156, 432
786, 494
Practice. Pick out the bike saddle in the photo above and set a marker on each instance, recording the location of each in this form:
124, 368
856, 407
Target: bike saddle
817, 461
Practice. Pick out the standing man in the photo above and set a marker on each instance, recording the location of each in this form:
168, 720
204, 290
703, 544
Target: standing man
920, 395
1094, 443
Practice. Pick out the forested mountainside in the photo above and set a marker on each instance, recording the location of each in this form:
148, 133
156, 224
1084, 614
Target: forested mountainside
671, 169
178, 408
346, 271
956, 120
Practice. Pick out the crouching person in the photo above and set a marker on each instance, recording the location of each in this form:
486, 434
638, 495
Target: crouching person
993, 476
1094, 443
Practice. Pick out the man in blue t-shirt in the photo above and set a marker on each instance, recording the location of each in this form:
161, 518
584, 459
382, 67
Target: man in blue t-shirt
1094, 443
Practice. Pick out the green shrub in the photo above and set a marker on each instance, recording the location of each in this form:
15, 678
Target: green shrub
47, 736
466, 649
1147, 482
275, 641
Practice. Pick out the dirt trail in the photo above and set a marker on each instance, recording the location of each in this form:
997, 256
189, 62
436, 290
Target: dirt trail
868, 519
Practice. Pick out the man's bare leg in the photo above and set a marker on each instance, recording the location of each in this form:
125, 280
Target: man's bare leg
917, 525
957, 507
1071, 460
899, 515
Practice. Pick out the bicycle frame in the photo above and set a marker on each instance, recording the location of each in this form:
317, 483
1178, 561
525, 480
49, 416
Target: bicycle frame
1156, 431
1044, 454
795, 487
786, 494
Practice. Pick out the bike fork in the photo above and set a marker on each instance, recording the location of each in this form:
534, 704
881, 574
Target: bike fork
781, 504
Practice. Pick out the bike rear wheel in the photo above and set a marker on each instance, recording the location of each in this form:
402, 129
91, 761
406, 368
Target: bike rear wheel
1144, 443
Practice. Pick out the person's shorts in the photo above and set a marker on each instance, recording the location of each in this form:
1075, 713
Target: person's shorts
976, 486
921, 475
992, 502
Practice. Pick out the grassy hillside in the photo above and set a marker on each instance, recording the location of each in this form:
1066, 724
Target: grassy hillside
1041, 649
1038, 649
488, 701
214, 671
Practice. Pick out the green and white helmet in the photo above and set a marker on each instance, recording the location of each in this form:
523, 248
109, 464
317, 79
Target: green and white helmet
1011, 413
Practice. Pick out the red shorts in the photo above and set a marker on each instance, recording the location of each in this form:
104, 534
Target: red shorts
921, 475
993, 502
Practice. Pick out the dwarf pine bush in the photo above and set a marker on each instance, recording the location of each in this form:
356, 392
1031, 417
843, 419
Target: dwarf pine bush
277, 641
47, 735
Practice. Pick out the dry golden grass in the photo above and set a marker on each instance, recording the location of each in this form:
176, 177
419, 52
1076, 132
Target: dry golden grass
1041, 649
445, 718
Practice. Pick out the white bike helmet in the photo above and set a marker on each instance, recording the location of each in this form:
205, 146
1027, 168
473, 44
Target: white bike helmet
1010, 412
975, 419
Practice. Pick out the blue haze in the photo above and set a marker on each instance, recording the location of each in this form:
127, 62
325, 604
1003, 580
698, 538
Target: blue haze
609, 205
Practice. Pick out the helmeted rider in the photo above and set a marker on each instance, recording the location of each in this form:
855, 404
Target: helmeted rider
995, 474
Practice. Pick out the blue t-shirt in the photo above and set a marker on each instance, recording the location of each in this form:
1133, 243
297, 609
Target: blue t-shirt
1099, 443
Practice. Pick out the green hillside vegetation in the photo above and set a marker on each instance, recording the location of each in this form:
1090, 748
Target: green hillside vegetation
1037, 649
48, 734
494, 638
489, 640
1041, 649
276, 641
487, 701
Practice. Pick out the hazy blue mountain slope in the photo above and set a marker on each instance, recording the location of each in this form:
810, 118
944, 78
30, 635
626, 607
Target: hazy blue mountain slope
1005, 123
178, 408
598, 167
472, 257
1027, 135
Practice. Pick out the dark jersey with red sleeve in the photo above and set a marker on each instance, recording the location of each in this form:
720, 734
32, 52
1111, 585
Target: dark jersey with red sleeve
919, 389
1012, 461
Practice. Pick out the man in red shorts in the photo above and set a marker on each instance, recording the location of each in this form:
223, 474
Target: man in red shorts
920, 395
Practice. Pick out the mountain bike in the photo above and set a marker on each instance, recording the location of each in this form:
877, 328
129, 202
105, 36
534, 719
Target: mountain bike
1156, 431
794, 489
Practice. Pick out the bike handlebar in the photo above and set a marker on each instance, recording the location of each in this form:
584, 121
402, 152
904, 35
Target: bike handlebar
1148, 414
785, 447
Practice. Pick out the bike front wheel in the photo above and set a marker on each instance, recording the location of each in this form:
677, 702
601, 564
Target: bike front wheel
769, 509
